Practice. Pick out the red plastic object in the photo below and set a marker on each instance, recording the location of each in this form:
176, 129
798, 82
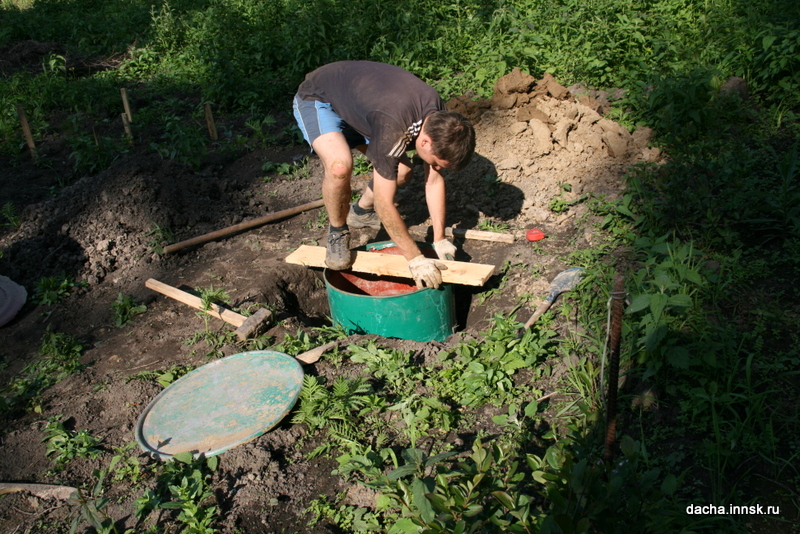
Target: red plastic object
534, 234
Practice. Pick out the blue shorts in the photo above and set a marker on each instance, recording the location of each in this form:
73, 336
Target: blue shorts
316, 118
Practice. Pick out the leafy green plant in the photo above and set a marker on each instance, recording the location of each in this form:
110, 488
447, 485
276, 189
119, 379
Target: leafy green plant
587, 494
162, 377
50, 290
483, 493
181, 142
559, 204
320, 222
336, 410
9, 212
666, 285
159, 237
64, 445
209, 296
492, 226
215, 341
59, 358
780, 208
125, 308
258, 125
342, 516
618, 216
126, 466
91, 153
91, 508
296, 170
184, 484
304, 341
361, 165
280, 168
485, 367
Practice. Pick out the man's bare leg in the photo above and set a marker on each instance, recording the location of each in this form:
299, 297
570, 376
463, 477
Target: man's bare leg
337, 161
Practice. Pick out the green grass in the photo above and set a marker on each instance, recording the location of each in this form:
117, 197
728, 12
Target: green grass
246, 55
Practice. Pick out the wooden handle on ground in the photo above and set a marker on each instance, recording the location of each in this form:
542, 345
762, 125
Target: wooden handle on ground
243, 226
217, 311
543, 307
468, 234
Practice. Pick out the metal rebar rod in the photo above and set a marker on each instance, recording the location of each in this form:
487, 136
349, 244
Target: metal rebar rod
617, 308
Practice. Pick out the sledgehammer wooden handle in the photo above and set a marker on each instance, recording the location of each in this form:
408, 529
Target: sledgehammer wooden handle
217, 311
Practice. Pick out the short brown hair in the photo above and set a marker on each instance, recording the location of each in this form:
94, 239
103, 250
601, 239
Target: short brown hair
452, 137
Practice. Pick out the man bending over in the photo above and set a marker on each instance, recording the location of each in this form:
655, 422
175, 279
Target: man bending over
383, 111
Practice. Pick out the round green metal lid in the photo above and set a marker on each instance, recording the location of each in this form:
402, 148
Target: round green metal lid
220, 405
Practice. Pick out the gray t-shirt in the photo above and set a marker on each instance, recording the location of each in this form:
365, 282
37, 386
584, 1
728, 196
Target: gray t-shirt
384, 103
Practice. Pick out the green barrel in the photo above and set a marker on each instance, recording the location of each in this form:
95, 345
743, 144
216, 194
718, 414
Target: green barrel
388, 306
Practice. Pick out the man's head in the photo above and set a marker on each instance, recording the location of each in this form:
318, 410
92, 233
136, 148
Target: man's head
452, 138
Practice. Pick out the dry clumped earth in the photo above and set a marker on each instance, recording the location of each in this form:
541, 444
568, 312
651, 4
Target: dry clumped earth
533, 137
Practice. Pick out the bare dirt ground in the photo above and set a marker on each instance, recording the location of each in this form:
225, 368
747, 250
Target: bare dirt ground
533, 137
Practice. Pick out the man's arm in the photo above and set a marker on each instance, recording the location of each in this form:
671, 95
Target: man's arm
384, 191
435, 197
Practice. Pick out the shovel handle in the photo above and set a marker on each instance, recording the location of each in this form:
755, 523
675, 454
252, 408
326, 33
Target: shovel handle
543, 307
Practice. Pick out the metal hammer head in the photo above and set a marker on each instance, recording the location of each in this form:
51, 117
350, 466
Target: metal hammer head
254, 325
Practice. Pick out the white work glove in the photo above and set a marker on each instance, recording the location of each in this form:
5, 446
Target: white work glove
444, 249
427, 271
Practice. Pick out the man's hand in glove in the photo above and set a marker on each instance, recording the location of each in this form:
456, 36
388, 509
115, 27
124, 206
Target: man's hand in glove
444, 249
427, 271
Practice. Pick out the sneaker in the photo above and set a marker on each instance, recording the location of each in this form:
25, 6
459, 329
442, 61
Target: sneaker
368, 220
337, 255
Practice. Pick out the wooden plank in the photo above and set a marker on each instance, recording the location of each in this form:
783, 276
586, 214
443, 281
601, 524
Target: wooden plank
457, 272
480, 235
215, 310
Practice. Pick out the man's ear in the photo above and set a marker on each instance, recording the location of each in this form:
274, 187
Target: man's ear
424, 139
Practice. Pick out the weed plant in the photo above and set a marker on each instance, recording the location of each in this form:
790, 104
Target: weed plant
159, 237
163, 377
183, 485
58, 358
91, 507
65, 445
9, 212
125, 308
51, 289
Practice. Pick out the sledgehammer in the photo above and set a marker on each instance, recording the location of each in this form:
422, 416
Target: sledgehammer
245, 326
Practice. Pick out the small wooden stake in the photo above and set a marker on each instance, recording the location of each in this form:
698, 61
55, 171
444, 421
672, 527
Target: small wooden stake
125, 104
27, 131
212, 128
127, 126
